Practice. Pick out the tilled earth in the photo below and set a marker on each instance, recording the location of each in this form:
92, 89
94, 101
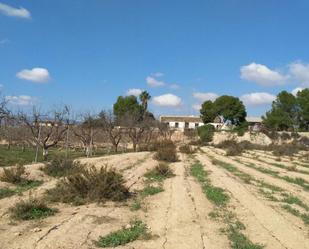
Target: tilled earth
179, 216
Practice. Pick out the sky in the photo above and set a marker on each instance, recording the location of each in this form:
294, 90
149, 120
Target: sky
86, 53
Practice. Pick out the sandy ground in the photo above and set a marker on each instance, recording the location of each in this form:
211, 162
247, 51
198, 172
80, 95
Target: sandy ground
178, 217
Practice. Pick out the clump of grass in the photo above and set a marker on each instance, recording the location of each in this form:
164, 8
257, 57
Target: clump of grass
61, 166
136, 205
298, 181
6, 192
186, 149
160, 172
166, 151
198, 172
239, 240
138, 230
295, 212
290, 199
13, 174
90, 185
31, 209
151, 190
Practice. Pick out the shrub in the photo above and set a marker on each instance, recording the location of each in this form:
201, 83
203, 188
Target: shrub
186, 149
286, 149
151, 190
166, 151
31, 209
241, 129
90, 185
285, 136
61, 166
13, 174
233, 148
206, 133
160, 172
304, 141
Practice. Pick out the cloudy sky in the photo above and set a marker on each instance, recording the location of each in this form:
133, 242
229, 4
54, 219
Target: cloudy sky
86, 53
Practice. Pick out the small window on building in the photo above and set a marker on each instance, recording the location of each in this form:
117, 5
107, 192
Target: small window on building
186, 125
176, 125
196, 125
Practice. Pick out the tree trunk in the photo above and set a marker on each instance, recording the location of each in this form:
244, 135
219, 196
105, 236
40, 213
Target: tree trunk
45, 154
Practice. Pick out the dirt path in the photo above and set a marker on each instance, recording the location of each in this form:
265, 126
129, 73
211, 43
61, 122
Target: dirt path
264, 224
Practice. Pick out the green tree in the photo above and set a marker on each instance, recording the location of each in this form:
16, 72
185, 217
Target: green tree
229, 107
303, 103
126, 105
207, 112
284, 113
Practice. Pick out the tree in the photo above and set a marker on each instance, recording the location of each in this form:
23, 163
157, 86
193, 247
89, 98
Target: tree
284, 114
228, 107
144, 98
303, 103
47, 130
86, 132
127, 104
207, 112
110, 125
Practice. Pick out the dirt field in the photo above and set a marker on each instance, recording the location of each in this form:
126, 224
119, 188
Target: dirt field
266, 197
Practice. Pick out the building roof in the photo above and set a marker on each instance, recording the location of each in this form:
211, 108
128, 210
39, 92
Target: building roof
188, 119
254, 119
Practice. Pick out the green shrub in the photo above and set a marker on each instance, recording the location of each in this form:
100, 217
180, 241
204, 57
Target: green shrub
31, 209
206, 133
90, 185
61, 166
13, 174
166, 151
241, 129
151, 190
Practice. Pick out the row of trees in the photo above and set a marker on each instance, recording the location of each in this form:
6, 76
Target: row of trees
288, 112
128, 122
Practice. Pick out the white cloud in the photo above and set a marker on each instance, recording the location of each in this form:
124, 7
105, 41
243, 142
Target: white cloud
153, 82
134, 91
300, 72
4, 41
167, 100
38, 75
258, 98
174, 86
21, 100
205, 96
14, 12
262, 75
296, 90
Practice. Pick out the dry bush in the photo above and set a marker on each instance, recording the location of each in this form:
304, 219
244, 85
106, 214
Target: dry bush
304, 141
285, 136
90, 185
31, 209
233, 148
13, 174
166, 151
61, 166
286, 149
187, 149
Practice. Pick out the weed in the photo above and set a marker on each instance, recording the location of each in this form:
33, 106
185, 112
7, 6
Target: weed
295, 212
136, 205
13, 174
151, 190
124, 236
160, 172
216, 195
198, 172
89, 185
290, 199
6, 192
31, 209
60, 166
186, 149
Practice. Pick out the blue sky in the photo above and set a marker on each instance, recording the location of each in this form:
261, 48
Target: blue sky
86, 53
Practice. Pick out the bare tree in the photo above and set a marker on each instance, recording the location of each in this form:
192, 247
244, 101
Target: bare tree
46, 130
86, 131
111, 127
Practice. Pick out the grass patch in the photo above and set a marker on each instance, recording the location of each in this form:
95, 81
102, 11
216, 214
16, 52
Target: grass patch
13, 174
290, 199
151, 190
136, 205
90, 185
159, 173
6, 192
239, 240
295, 212
31, 209
138, 230
197, 170
24, 186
